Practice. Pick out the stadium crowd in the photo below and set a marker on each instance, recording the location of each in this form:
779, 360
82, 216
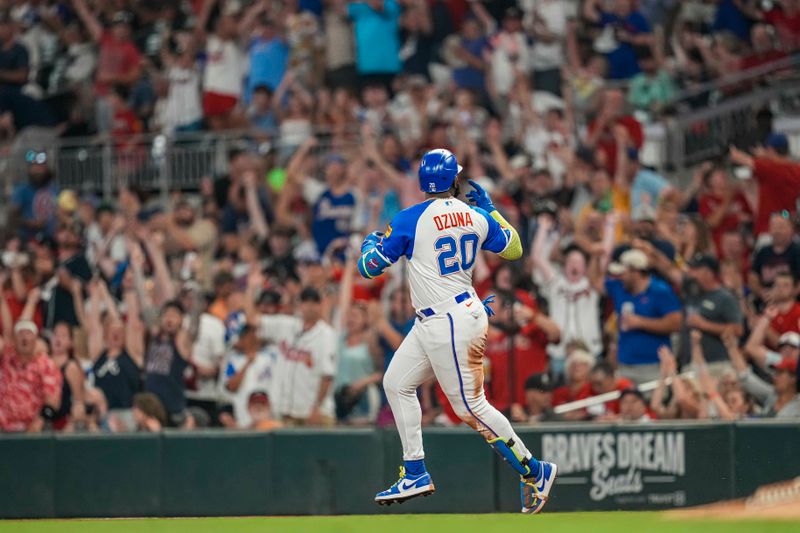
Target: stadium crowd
239, 305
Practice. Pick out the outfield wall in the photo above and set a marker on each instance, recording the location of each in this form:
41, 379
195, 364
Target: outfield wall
296, 472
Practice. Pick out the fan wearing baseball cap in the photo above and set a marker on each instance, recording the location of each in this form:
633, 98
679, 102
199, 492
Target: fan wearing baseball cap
756, 345
710, 309
781, 399
30, 383
648, 312
538, 399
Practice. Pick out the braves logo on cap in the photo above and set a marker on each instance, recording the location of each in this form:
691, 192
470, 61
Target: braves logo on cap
373, 263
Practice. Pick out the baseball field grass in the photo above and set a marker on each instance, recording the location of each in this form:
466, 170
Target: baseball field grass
599, 522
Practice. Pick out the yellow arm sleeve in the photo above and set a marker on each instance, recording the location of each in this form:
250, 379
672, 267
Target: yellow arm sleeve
513, 250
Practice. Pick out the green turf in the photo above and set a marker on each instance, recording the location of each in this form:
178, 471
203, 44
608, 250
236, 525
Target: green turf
615, 522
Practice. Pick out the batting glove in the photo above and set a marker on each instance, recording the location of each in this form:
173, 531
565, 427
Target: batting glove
479, 197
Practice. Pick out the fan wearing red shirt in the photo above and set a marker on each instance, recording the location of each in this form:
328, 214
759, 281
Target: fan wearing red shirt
119, 61
764, 50
29, 380
519, 318
778, 179
604, 380
15, 293
601, 129
578, 387
785, 18
784, 306
723, 206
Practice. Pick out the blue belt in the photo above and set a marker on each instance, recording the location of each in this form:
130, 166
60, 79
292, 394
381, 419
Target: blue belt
425, 313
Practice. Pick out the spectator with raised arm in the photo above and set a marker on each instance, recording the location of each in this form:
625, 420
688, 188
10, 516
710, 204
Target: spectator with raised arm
603, 133
465, 53
515, 345
735, 404
224, 70
119, 61
115, 348
376, 27
166, 357
686, 401
189, 237
30, 383
267, 49
574, 304
723, 205
627, 28
778, 180
756, 347
510, 55
14, 59
781, 399
71, 415
548, 26
181, 108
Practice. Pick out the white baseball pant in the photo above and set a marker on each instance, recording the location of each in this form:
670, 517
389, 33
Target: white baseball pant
449, 345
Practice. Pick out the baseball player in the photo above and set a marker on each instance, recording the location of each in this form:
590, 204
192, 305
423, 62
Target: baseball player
441, 238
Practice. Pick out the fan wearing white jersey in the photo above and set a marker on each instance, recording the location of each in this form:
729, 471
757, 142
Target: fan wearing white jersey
440, 238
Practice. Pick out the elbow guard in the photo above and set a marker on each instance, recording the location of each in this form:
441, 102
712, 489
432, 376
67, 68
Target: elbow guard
513, 250
372, 263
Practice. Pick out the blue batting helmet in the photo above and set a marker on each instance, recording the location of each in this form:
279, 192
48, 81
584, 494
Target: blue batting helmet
438, 170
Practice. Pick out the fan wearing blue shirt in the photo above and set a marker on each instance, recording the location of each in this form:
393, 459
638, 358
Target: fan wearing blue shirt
268, 55
631, 30
335, 209
648, 312
377, 36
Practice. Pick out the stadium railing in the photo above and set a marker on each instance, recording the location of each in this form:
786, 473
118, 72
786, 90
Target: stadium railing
156, 162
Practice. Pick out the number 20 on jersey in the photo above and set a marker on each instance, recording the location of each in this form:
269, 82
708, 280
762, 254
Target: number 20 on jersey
454, 256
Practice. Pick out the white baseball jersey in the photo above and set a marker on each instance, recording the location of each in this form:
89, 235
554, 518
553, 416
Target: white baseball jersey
575, 307
208, 350
305, 357
441, 238
260, 377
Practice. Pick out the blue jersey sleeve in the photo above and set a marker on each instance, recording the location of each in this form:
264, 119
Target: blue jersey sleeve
398, 240
496, 237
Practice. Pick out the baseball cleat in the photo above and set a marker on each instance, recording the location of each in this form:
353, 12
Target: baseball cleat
535, 493
407, 487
